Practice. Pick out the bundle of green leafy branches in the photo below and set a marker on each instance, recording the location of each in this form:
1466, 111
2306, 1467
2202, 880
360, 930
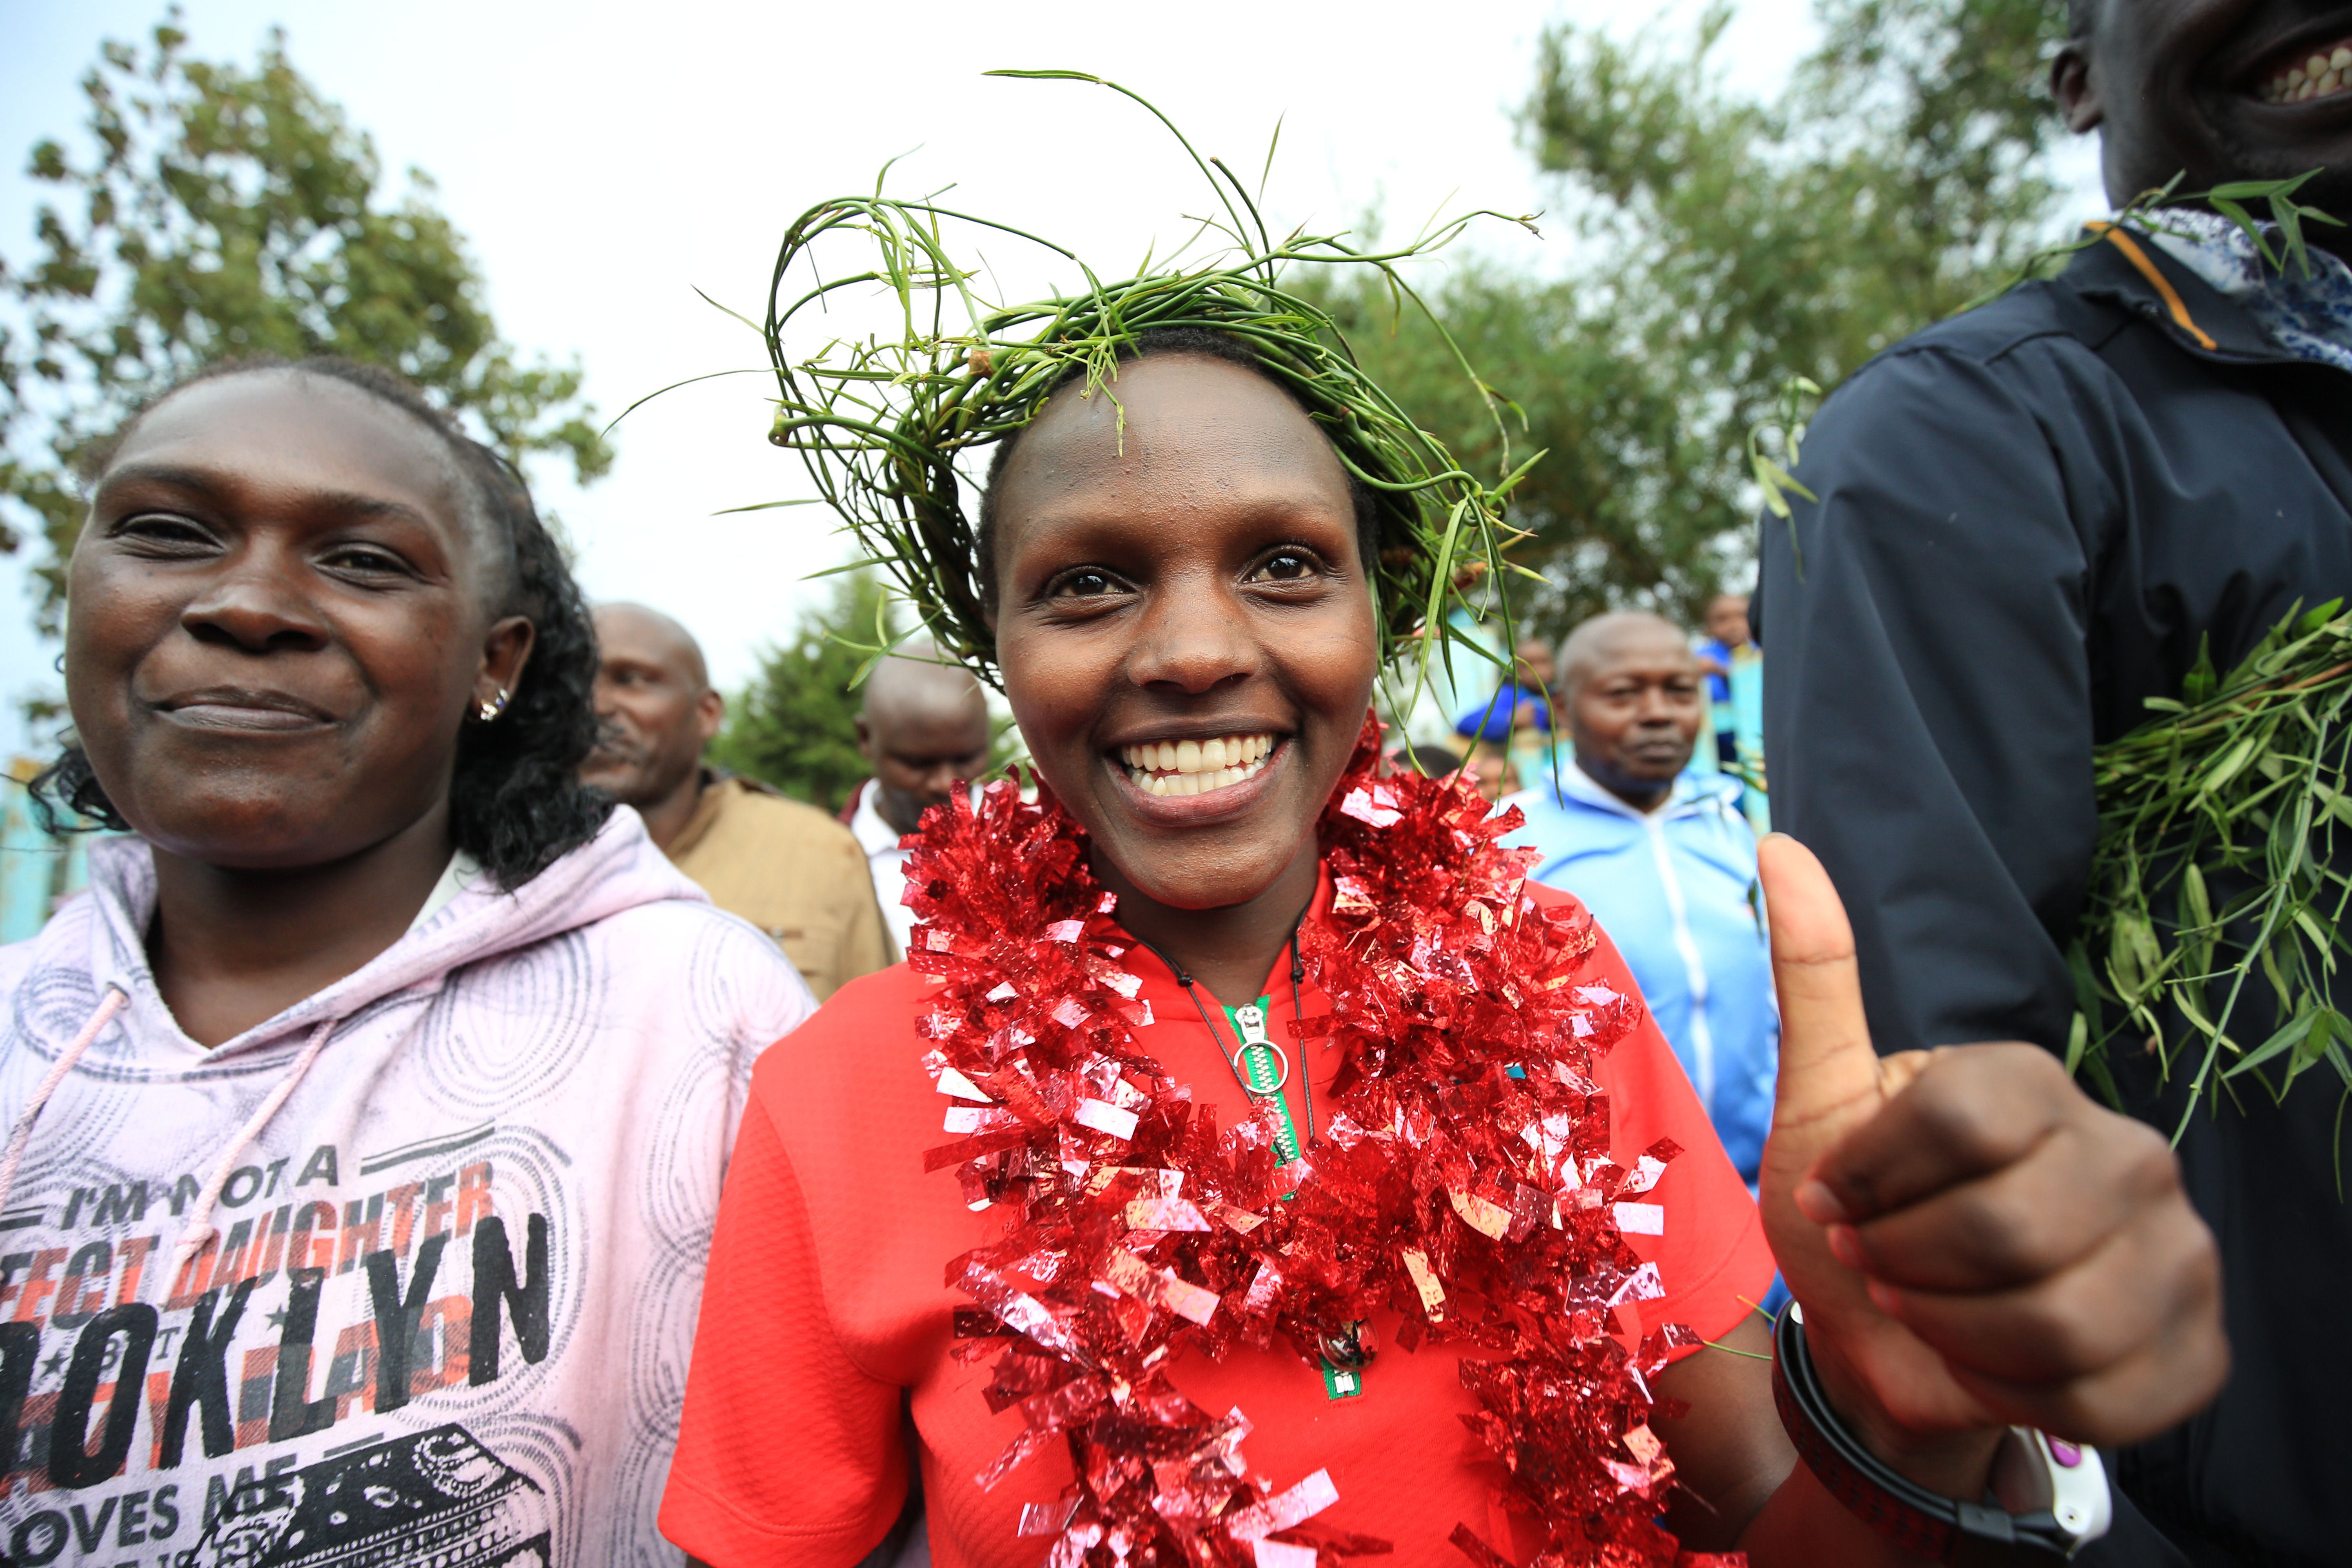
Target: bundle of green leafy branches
2241, 785
889, 423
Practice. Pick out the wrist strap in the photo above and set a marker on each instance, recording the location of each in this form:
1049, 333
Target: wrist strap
1945, 1529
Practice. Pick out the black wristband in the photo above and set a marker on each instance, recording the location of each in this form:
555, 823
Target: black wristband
1933, 1526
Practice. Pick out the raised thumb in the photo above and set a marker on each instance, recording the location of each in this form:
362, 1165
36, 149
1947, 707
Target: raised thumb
1829, 1076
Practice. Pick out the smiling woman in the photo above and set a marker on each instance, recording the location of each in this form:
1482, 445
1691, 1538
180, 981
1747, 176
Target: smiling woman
1245, 613
372, 975
514, 802
1252, 1061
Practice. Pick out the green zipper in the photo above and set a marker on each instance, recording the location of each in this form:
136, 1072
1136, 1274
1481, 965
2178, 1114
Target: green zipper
1262, 1066
1264, 1071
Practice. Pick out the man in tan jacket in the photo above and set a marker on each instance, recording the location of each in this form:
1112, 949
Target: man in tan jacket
787, 867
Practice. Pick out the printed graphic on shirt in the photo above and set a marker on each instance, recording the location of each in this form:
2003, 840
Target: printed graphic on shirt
341, 1374
438, 1497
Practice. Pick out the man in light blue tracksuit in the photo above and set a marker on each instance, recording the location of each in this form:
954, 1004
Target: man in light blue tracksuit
1665, 861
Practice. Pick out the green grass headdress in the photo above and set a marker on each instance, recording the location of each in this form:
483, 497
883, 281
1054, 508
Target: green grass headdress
888, 422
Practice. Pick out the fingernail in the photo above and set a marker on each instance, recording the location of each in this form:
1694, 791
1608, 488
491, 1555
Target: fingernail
1845, 1246
1818, 1203
1885, 1297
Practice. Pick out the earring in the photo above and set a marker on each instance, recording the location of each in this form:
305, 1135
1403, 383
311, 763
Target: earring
487, 712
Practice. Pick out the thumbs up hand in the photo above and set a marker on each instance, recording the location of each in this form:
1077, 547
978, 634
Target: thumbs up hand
1976, 1243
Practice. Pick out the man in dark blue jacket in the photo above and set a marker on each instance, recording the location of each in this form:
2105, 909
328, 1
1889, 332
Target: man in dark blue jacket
2030, 520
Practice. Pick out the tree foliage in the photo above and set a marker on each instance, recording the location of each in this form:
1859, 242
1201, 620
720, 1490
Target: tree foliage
794, 725
223, 212
1722, 245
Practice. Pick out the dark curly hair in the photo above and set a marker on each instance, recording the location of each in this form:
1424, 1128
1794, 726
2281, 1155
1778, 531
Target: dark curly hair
515, 802
1202, 342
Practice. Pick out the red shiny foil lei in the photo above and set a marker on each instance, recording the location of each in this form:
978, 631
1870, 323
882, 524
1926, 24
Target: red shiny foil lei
1475, 1203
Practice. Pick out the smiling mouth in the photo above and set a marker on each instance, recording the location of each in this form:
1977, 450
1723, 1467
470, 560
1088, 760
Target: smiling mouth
223, 708
1195, 767
2321, 72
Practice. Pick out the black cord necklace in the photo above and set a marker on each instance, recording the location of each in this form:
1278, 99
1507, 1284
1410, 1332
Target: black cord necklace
1298, 973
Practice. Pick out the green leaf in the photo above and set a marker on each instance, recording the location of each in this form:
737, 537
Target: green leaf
2227, 768
2196, 909
2198, 685
2290, 1035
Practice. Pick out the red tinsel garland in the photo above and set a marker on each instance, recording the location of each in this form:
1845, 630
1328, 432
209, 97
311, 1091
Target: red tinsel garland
1475, 1199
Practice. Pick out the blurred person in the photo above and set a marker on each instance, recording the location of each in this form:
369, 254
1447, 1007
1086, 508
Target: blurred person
1724, 648
1492, 770
1521, 703
2033, 519
385, 1058
1734, 678
924, 726
1665, 860
1510, 733
1432, 762
1726, 641
783, 866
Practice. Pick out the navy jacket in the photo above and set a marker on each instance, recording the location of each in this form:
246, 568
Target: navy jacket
2029, 519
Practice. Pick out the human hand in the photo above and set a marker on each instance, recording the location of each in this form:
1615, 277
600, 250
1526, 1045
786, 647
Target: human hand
1976, 1243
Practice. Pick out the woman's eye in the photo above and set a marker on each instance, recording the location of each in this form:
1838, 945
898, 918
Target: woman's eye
1287, 567
1087, 583
361, 558
164, 531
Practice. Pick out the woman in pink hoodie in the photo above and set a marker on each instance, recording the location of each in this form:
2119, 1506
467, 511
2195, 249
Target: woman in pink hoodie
368, 1116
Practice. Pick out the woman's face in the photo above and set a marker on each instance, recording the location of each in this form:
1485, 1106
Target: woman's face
1184, 626
277, 620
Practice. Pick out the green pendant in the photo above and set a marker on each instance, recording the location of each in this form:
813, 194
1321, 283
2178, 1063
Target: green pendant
1342, 1382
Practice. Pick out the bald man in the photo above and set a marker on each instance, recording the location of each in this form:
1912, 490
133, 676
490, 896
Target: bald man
787, 867
924, 728
1663, 858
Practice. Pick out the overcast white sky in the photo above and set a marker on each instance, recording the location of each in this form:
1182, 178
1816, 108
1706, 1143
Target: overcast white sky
608, 159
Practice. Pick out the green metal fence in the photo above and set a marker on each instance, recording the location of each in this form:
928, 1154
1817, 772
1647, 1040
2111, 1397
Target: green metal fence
37, 868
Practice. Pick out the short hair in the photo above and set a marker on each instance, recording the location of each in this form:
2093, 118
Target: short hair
915, 671
1202, 342
1579, 650
1436, 762
515, 802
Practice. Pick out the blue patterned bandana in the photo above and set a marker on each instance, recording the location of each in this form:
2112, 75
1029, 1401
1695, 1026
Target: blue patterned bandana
2310, 318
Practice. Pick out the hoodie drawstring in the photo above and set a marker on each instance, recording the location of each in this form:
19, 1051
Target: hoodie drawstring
201, 1228
107, 1007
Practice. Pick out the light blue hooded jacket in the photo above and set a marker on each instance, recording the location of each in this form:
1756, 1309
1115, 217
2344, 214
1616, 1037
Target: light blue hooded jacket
1675, 890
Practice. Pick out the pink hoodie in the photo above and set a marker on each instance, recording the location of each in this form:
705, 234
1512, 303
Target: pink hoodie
416, 1261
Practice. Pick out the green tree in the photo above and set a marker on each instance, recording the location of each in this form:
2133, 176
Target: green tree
1724, 245
794, 725
227, 212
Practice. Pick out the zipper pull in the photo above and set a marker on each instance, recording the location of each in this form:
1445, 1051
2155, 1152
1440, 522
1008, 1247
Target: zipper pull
1250, 1019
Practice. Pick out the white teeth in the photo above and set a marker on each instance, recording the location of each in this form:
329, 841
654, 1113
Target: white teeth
2322, 75
1195, 767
